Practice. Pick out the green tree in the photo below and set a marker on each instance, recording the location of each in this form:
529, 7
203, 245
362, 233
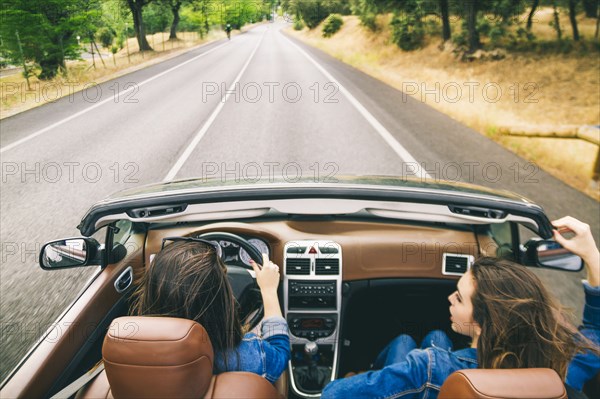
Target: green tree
573, 18
591, 8
157, 17
175, 7
408, 14
197, 16
556, 20
137, 12
407, 25
115, 15
445, 15
473, 40
534, 6
47, 30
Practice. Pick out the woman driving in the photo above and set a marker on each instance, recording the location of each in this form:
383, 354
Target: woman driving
188, 279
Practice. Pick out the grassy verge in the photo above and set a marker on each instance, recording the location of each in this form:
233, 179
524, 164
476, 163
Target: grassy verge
15, 96
537, 87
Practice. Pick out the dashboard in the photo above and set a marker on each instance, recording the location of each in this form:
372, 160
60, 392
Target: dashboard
316, 260
371, 250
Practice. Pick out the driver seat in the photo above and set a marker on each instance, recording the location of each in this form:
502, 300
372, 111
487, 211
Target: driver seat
166, 357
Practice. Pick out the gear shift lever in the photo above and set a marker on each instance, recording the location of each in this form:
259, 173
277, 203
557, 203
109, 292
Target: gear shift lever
311, 376
310, 348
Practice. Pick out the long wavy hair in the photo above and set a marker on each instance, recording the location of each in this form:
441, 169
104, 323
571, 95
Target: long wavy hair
522, 325
189, 280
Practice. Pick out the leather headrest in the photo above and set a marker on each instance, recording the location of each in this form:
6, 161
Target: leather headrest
157, 357
504, 384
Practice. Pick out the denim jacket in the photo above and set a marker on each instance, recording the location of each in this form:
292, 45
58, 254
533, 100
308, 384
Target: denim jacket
584, 366
266, 355
425, 370
420, 376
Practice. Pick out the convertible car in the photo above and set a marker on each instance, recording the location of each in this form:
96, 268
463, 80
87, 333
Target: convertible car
362, 260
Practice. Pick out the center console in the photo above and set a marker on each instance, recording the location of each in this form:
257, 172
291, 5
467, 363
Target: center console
312, 302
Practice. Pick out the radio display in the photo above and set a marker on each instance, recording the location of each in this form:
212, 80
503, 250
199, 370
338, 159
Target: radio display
312, 323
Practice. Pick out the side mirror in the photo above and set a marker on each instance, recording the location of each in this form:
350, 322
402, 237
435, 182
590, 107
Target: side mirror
550, 254
70, 252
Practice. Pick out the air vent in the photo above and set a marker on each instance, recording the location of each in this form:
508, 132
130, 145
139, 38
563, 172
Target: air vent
297, 266
456, 264
327, 266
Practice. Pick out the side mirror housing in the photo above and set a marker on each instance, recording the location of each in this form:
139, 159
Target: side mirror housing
552, 255
70, 252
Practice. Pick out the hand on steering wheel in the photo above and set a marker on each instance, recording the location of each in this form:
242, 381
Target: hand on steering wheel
267, 277
268, 281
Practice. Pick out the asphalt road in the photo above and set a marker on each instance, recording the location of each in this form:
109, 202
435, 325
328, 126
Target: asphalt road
286, 105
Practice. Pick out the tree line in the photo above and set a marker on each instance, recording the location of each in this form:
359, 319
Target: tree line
46, 33
493, 18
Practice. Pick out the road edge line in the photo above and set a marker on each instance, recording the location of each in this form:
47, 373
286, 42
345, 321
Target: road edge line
111, 98
402, 152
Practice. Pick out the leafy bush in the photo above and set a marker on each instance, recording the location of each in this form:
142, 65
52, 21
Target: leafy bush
298, 24
460, 39
369, 21
525, 34
121, 40
496, 33
407, 32
105, 37
432, 27
333, 23
483, 26
314, 12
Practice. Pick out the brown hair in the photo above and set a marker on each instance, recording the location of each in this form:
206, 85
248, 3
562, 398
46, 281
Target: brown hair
521, 324
189, 280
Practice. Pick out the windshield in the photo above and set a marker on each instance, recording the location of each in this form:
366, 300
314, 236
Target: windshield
408, 183
109, 101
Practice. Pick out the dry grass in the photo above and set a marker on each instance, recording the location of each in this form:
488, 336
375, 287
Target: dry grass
15, 97
535, 89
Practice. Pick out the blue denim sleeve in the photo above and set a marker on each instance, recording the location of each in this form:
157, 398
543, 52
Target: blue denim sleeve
591, 310
584, 366
275, 325
400, 380
276, 344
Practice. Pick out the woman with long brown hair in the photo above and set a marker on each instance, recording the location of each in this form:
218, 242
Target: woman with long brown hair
188, 279
513, 321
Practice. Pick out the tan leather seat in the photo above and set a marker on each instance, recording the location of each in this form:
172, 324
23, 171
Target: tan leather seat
163, 357
503, 384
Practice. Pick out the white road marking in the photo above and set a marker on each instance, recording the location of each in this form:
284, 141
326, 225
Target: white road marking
190, 148
379, 128
111, 98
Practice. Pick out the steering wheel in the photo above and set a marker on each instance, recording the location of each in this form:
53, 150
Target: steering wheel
242, 282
